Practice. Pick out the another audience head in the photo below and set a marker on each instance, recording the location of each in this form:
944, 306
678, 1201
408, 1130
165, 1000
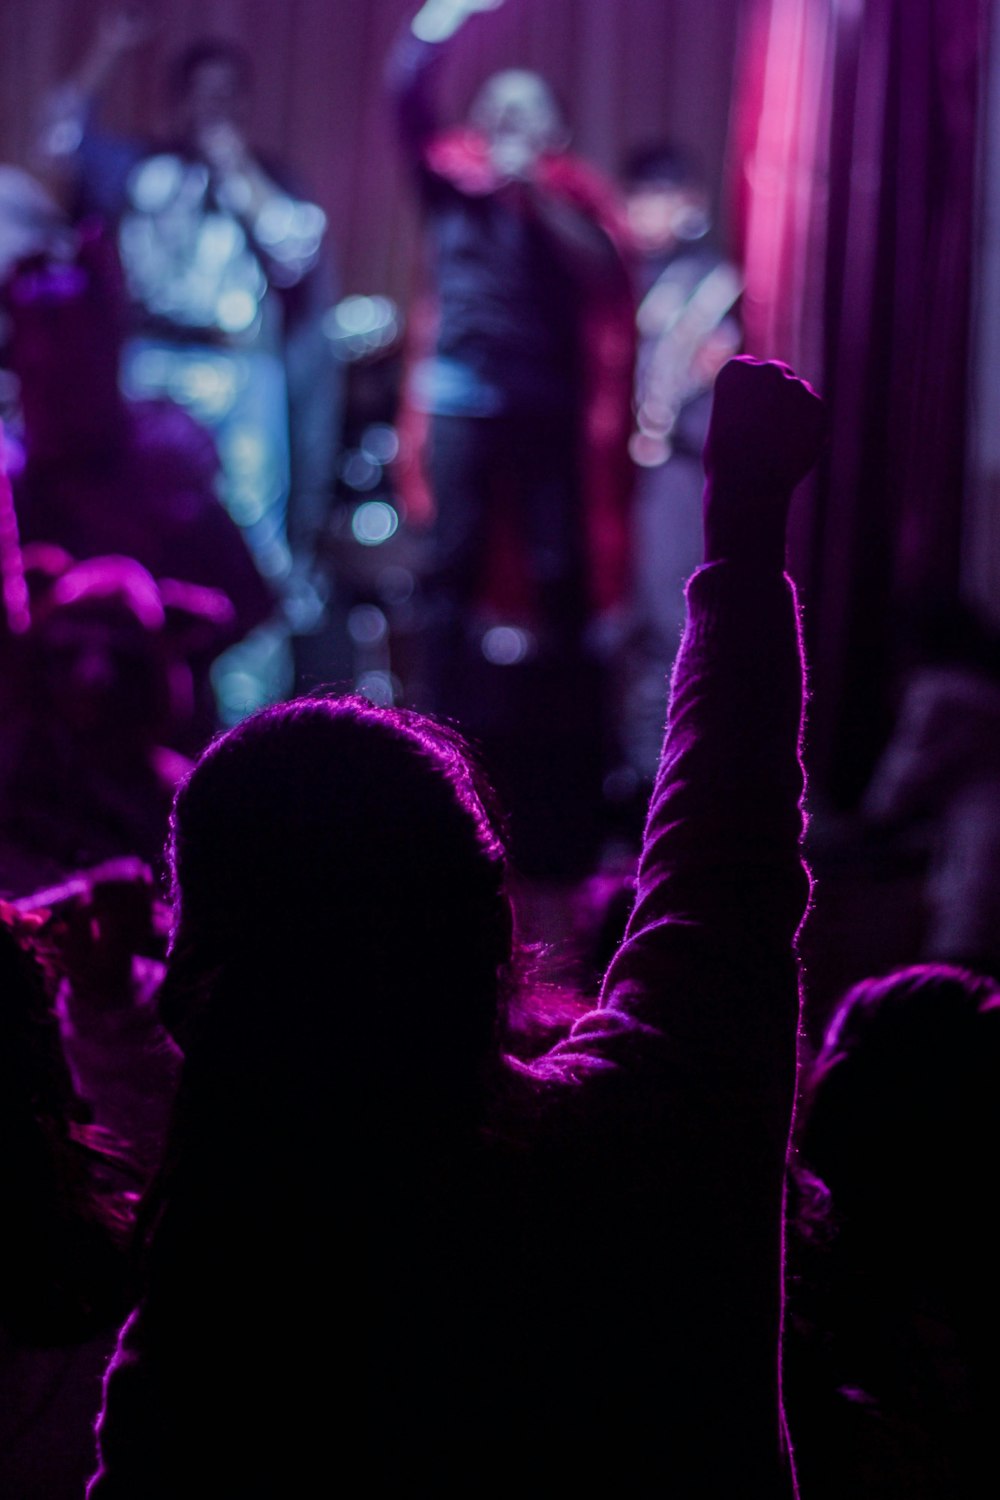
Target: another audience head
893, 1382
901, 1119
100, 666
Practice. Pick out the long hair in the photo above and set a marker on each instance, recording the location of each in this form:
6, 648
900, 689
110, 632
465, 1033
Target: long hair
900, 1114
341, 928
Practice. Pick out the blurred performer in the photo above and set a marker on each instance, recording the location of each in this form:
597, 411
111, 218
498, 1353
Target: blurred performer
524, 402
229, 272
687, 330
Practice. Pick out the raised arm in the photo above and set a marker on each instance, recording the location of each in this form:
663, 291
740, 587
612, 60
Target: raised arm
119, 32
721, 867
686, 1071
66, 138
409, 77
415, 60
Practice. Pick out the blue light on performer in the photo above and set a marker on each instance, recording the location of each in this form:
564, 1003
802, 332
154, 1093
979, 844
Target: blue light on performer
229, 273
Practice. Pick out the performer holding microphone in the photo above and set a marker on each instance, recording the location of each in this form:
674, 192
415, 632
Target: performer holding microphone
229, 269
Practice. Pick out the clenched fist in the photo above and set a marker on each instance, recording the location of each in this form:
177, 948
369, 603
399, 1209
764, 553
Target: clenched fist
767, 430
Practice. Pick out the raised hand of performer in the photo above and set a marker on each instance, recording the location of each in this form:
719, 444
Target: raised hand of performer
767, 430
121, 30
438, 20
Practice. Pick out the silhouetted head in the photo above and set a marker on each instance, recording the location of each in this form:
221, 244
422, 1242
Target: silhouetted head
896, 1285
666, 201
99, 659
209, 84
520, 117
347, 855
901, 1116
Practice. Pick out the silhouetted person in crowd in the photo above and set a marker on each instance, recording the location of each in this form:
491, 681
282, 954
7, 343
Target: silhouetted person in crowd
87, 772
370, 1220
102, 473
892, 1378
519, 397
938, 781
62, 1259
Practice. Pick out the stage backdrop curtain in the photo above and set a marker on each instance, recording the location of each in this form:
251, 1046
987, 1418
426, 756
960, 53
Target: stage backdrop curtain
853, 160
628, 70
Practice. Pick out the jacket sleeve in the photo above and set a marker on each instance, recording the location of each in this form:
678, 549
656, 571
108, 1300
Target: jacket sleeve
677, 1091
708, 958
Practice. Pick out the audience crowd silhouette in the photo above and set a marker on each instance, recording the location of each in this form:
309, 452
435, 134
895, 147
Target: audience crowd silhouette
308, 1172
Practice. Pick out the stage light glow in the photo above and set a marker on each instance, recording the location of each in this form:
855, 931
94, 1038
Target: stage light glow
359, 473
156, 181
205, 385
359, 325
239, 693
236, 310
374, 522
380, 443
276, 221
355, 315
396, 585
379, 687
367, 625
506, 645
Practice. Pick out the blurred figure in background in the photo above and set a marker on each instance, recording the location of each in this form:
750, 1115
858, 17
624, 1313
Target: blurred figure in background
86, 769
101, 474
229, 272
522, 398
687, 295
938, 783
